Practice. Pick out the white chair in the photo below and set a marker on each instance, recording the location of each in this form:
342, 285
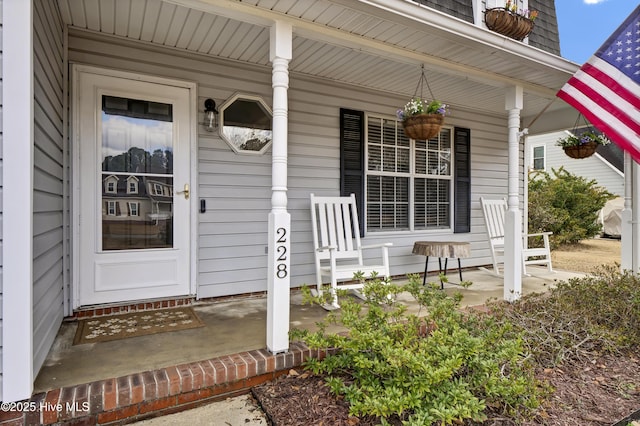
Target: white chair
336, 241
494, 211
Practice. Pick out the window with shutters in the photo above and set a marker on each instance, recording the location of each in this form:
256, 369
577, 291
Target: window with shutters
134, 208
408, 182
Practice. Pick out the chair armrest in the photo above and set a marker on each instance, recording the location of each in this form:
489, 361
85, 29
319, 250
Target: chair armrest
324, 248
537, 234
376, 246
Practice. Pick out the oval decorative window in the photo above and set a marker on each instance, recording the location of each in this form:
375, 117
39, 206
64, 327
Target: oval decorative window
245, 124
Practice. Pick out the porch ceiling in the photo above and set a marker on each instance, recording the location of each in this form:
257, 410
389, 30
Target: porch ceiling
379, 44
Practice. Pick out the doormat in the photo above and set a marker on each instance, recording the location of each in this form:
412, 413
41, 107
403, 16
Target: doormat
105, 329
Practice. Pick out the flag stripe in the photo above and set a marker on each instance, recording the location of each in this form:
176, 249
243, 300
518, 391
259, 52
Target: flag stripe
610, 102
603, 120
599, 114
621, 84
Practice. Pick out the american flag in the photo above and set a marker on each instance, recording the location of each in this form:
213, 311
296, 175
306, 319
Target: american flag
606, 89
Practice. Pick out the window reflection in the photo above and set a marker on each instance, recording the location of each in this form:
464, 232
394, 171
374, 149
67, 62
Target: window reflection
137, 174
246, 124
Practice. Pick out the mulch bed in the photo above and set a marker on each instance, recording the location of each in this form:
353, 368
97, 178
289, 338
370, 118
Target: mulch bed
593, 393
599, 392
302, 399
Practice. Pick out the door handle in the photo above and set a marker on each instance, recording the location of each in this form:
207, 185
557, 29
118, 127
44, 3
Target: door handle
185, 191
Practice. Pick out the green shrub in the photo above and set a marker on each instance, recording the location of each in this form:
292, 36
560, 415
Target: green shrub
439, 366
565, 204
579, 319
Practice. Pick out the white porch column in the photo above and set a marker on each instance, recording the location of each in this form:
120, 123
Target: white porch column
279, 219
635, 217
17, 200
627, 235
513, 219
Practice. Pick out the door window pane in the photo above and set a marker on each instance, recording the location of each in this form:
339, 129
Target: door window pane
137, 174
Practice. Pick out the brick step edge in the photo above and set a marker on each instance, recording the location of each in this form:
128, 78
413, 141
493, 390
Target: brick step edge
158, 392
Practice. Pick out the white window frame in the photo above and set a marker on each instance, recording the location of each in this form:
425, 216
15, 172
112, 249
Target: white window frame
412, 175
233, 143
132, 185
134, 208
108, 182
111, 208
544, 156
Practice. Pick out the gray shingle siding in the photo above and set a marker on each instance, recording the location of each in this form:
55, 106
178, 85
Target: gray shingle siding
545, 34
459, 8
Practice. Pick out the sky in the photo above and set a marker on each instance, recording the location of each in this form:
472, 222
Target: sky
585, 25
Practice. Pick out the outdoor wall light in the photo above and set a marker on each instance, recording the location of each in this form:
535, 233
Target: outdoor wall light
210, 113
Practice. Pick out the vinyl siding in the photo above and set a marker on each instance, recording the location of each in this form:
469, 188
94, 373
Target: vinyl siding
594, 167
48, 202
232, 234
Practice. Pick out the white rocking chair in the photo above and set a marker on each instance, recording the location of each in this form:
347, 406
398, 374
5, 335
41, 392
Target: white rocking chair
494, 211
336, 241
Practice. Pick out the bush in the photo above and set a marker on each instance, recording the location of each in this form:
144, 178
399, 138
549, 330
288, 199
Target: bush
444, 366
565, 204
579, 319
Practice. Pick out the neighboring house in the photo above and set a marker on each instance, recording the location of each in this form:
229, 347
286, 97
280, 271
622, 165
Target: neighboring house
136, 212
606, 166
306, 93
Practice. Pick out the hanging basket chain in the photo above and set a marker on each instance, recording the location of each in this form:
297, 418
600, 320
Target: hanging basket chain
576, 125
423, 78
423, 126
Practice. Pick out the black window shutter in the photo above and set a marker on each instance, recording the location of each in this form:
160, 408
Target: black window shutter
352, 158
462, 179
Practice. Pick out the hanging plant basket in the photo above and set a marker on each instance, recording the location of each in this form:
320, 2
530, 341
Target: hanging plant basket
422, 119
422, 126
581, 151
582, 142
508, 23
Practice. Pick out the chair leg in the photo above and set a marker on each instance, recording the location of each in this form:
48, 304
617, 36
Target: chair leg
318, 290
334, 293
496, 271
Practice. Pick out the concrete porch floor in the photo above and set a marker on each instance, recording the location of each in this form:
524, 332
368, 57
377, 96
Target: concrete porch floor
235, 327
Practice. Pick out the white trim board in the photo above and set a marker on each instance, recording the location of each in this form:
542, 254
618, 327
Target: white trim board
17, 200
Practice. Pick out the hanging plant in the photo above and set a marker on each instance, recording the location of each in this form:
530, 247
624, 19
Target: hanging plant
583, 145
422, 119
509, 21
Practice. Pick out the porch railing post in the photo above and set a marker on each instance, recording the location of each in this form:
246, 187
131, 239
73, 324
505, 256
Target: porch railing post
279, 269
627, 235
635, 217
513, 220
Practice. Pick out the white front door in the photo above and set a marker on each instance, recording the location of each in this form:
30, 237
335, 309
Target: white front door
131, 183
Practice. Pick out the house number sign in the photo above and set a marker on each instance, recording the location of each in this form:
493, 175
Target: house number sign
281, 253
